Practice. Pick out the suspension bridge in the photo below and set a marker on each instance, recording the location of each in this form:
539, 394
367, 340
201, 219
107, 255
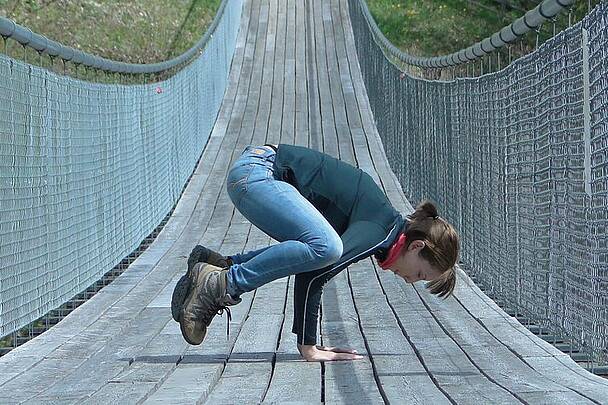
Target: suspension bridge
515, 158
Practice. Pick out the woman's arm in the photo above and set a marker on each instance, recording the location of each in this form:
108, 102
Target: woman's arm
359, 241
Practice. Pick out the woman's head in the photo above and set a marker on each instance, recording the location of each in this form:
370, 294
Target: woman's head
430, 251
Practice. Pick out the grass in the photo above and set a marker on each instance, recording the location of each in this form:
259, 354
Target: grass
433, 27
439, 27
134, 31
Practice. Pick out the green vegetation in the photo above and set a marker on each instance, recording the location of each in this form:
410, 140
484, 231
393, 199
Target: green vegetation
435, 27
135, 31
440, 27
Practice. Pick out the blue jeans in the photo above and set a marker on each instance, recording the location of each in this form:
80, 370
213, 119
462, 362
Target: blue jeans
307, 241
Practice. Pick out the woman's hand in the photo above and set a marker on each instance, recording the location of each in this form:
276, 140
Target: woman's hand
324, 353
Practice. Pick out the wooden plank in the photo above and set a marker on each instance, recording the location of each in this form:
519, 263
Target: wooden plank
93, 372
249, 366
334, 37
312, 79
341, 32
45, 374
563, 370
294, 380
400, 372
487, 352
188, 383
226, 236
151, 365
448, 365
275, 119
372, 138
253, 353
328, 127
260, 74
257, 124
288, 126
302, 133
125, 393
535, 352
349, 381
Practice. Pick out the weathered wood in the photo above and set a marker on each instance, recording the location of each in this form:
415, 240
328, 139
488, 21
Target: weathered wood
187, 384
399, 370
294, 380
535, 352
335, 37
312, 80
487, 352
302, 132
451, 368
277, 67
328, 126
288, 125
249, 368
352, 381
113, 358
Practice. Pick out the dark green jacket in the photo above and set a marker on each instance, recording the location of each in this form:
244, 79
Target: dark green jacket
356, 208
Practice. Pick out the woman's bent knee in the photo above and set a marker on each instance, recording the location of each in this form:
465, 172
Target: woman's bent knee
328, 250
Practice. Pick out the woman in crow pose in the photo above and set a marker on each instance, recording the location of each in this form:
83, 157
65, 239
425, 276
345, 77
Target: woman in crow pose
326, 215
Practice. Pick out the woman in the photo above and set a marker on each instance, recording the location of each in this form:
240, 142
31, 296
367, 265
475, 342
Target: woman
326, 215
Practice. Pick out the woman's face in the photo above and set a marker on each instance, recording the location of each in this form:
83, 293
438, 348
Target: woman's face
412, 267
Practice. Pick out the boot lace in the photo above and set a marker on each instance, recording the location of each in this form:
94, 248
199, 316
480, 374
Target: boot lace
217, 309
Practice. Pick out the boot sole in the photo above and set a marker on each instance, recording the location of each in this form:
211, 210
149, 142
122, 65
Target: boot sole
182, 288
196, 270
179, 296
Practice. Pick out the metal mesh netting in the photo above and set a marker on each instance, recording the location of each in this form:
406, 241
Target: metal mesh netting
88, 170
518, 162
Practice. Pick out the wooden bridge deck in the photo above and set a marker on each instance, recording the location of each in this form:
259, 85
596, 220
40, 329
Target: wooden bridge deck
294, 79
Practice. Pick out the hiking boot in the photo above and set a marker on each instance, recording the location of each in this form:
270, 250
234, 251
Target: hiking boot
198, 254
207, 297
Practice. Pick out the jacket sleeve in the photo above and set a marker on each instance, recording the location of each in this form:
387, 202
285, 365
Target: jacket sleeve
360, 240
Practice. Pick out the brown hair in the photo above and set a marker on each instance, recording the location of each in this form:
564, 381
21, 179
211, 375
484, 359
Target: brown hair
441, 245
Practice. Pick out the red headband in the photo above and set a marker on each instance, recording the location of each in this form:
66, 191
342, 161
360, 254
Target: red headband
393, 252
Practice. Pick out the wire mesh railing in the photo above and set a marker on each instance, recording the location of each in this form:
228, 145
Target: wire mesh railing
518, 161
88, 170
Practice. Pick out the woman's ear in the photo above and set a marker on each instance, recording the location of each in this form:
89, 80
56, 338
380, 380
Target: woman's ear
416, 245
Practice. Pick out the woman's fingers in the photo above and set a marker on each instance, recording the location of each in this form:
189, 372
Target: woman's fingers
325, 355
336, 349
347, 356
